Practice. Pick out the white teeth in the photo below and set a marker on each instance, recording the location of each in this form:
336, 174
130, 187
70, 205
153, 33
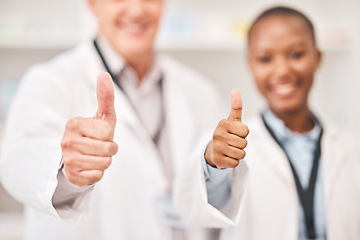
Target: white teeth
284, 89
134, 28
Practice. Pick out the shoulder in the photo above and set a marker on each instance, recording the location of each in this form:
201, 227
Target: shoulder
339, 141
69, 62
339, 136
75, 66
343, 146
65, 77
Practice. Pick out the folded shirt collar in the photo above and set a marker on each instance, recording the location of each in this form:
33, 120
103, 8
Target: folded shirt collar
128, 77
283, 134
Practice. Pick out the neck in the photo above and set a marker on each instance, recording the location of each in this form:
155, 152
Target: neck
141, 66
299, 121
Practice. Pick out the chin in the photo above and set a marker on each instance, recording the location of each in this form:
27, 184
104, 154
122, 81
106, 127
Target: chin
286, 109
134, 50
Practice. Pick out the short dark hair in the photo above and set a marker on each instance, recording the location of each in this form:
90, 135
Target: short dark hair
285, 11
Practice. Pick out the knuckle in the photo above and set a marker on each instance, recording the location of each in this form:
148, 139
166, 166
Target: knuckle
222, 122
217, 134
72, 124
241, 143
107, 162
234, 164
115, 148
68, 161
65, 142
71, 177
245, 143
223, 125
246, 130
229, 125
70, 143
71, 162
97, 176
242, 154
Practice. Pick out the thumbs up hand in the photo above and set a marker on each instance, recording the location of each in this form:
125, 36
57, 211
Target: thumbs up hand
87, 144
227, 145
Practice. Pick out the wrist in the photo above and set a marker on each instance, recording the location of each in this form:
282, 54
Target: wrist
209, 154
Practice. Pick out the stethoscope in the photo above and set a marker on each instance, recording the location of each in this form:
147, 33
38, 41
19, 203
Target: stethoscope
306, 196
155, 137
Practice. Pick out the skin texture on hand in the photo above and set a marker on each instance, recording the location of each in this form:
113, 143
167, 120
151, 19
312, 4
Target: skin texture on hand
87, 144
227, 145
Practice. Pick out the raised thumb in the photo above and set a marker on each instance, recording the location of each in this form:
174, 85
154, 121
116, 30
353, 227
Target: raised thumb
236, 106
105, 98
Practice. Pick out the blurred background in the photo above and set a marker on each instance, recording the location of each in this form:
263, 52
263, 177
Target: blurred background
207, 35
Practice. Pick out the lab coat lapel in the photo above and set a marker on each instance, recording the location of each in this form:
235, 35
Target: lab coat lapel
124, 111
333, 160
271, 154
177, 116
126, 114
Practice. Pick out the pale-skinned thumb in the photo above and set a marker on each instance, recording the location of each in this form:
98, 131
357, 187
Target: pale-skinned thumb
236, 106
105, 98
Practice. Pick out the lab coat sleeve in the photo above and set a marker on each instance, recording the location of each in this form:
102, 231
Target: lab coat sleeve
218, 183
69, 200
190, 192
191, 197
31, 149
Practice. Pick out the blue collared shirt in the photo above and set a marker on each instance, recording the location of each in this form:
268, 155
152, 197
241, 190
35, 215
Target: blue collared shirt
300, 148
218, 183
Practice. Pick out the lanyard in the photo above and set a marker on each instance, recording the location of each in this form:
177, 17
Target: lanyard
306, 195
115, 79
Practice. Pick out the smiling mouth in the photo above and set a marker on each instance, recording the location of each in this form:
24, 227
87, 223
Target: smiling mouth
284, 90
133, 28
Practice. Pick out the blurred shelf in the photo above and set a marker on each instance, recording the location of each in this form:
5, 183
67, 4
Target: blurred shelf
177, 46
40, 45
199, 46
162, 46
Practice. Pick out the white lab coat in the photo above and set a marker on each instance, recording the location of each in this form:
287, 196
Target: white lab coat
123, 204
271, 204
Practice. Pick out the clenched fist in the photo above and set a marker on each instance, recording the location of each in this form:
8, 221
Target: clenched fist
227, 145
87, 144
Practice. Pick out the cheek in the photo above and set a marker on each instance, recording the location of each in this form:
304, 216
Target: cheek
109, 17
306, 72
261, 76
306, 68
155, 15
156, 10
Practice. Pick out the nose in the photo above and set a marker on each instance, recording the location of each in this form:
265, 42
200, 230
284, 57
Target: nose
135, 8
282, 68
